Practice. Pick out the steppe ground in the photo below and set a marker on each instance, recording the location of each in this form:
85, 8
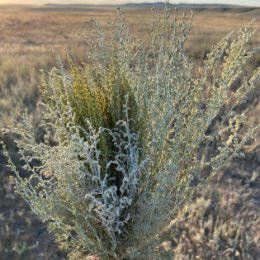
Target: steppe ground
223, 222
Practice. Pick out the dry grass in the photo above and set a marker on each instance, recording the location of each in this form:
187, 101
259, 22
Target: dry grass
30, 40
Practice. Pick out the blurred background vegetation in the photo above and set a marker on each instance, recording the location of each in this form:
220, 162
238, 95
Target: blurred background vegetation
223, 221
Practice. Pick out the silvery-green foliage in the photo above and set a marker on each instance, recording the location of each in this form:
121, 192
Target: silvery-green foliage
93, 212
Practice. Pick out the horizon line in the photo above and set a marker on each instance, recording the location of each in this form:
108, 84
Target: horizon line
151, 3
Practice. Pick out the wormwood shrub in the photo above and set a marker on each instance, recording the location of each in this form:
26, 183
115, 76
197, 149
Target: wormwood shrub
126, 135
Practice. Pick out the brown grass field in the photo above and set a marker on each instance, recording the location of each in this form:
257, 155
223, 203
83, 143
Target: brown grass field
223, 221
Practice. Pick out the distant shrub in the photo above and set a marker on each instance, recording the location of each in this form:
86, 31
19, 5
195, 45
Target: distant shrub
126, 135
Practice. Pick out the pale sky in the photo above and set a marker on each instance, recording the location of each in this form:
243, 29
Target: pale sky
237, 2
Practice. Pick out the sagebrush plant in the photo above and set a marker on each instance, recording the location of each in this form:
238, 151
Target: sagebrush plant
126, 135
